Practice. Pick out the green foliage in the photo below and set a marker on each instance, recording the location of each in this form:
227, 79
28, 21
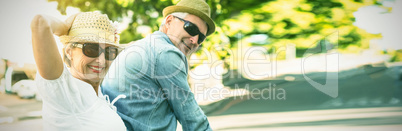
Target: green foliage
396, 55
301, 22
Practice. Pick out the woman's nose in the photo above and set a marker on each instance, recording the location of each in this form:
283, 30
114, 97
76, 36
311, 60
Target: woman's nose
101, 59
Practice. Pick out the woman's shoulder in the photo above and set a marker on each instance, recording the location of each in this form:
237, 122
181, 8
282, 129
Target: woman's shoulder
63, 76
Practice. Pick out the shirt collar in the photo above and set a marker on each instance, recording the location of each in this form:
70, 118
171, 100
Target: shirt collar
164, 36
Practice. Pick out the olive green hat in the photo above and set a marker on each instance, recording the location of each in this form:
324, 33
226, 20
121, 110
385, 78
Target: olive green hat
196, 7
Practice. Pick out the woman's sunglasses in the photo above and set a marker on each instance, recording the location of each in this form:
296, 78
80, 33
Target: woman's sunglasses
93, 50
192, 29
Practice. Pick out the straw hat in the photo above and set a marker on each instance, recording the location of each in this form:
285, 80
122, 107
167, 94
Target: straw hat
196, 7
92, 27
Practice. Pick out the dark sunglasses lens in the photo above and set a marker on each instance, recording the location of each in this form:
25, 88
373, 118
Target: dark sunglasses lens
191, 28
201, 38
111, 53
91, 50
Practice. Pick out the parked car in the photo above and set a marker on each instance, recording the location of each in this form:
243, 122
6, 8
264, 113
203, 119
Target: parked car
25, 89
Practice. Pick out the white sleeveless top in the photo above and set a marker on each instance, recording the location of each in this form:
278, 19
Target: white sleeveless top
72, 104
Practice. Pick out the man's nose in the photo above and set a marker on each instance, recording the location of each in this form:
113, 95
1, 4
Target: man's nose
194, 39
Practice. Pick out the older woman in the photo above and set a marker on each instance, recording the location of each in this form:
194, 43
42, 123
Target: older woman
71, 100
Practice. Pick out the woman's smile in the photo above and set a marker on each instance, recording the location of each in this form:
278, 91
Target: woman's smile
96, 69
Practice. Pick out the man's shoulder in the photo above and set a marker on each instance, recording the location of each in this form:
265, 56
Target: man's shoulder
154, 41
156, 44
160, 44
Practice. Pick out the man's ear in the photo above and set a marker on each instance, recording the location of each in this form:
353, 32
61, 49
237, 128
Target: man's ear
169, 19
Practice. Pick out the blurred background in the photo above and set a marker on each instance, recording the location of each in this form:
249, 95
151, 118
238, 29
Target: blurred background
271, 64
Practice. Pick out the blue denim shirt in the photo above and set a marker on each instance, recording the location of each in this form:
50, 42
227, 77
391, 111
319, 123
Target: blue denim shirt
152, 73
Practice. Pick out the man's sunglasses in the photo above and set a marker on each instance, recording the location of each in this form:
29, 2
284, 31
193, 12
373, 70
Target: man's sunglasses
192, 29
93, 50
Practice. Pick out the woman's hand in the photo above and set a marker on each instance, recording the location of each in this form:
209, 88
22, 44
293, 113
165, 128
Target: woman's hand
69, 21
64, 27
67, 25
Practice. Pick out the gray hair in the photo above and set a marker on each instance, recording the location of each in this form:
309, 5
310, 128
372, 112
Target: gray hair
177, 14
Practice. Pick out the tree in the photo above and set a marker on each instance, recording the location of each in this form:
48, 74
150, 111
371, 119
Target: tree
301, 22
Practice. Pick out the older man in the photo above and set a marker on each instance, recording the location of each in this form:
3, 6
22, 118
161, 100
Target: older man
152, 72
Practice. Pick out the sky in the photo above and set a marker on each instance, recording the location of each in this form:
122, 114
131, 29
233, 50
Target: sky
377, 20
15, 30
17, 14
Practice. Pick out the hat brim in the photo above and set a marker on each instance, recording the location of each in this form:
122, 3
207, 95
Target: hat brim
170, 9
66, 39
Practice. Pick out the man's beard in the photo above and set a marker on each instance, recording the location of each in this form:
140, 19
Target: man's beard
186, 49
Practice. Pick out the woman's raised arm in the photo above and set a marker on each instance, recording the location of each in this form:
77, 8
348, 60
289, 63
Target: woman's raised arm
47, 57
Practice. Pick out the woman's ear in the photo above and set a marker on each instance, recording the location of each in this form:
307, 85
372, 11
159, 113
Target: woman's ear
67, 51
